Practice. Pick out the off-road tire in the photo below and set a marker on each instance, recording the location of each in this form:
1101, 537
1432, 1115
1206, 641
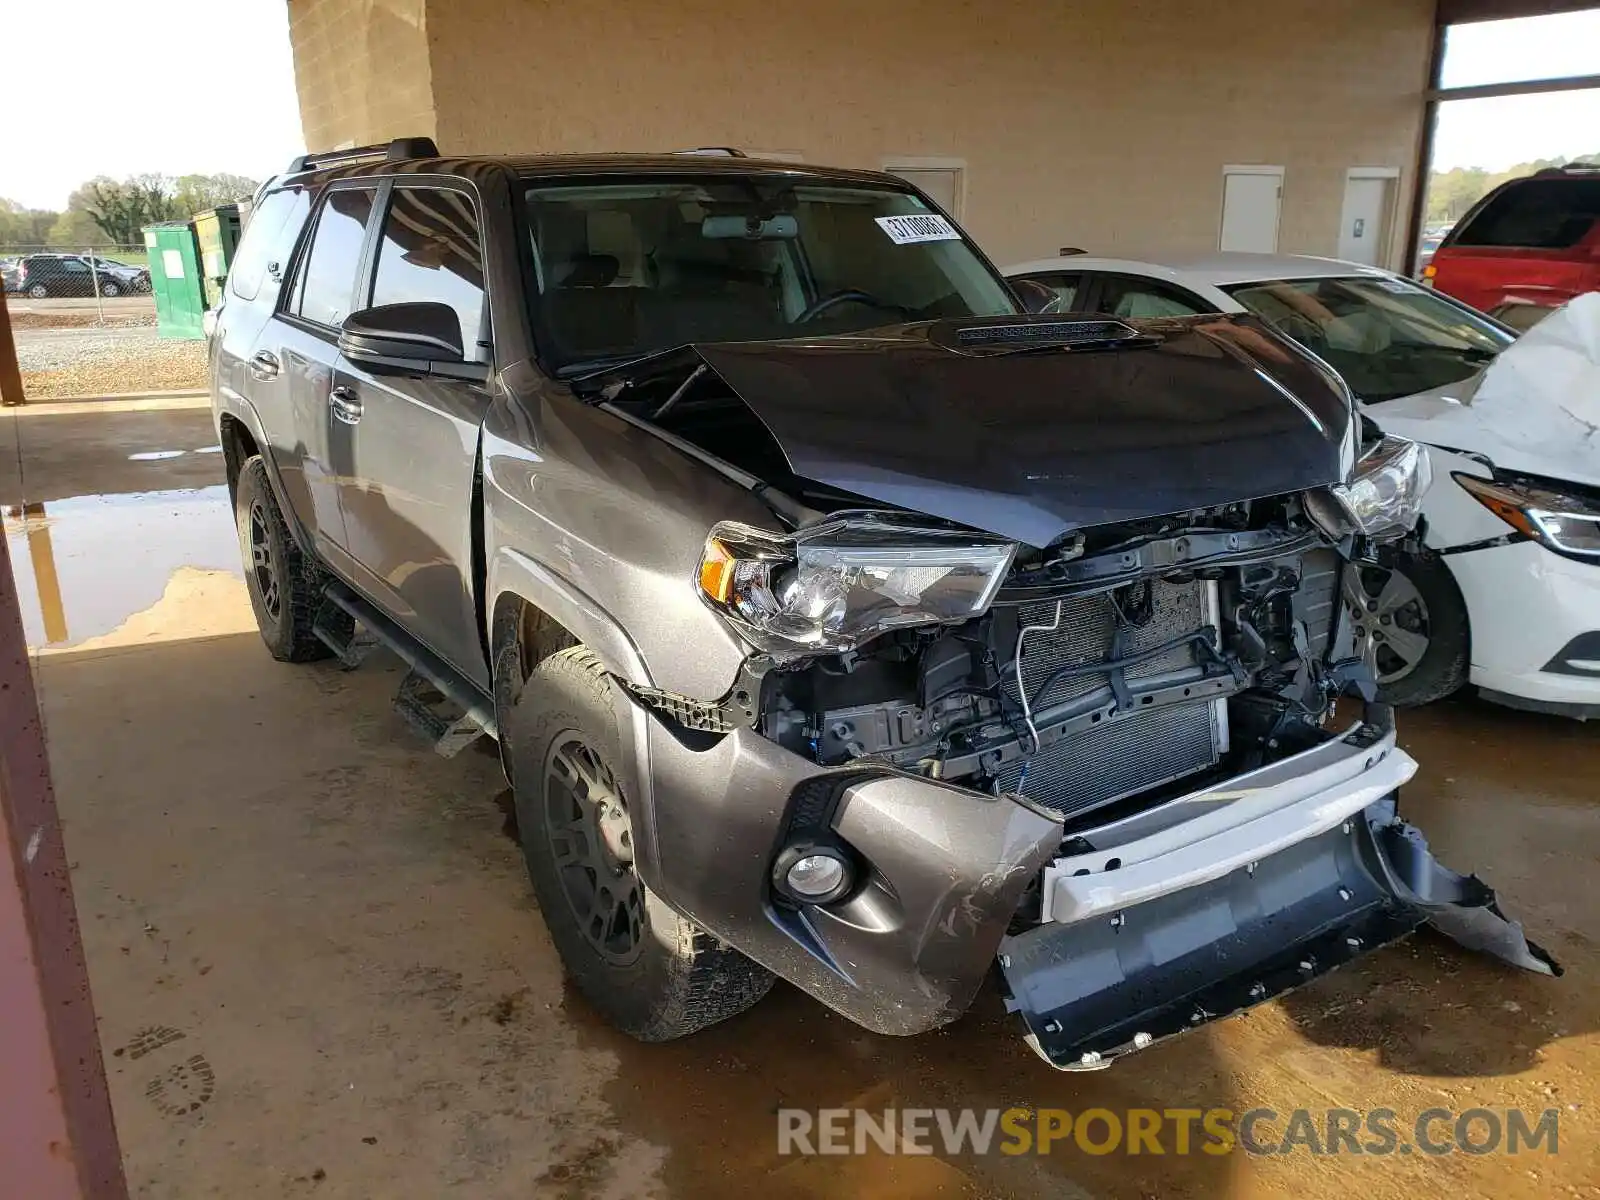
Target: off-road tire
1444, 667
286, 626
682, 979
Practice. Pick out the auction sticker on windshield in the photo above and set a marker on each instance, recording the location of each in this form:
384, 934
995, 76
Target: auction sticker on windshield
922, 227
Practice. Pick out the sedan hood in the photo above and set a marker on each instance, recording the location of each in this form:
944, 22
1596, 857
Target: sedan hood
1536, 409
1032, 427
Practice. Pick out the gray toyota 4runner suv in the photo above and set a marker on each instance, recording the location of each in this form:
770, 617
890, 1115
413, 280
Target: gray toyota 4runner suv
836, 619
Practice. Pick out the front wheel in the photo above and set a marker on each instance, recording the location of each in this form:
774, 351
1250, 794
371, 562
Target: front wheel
1411, 620
110, 291
651, 972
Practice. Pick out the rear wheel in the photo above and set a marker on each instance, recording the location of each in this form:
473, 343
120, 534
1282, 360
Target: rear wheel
38, 291
285, 587
648, 970
1410, 618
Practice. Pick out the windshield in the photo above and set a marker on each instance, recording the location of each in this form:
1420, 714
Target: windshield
630, 268
1387, 337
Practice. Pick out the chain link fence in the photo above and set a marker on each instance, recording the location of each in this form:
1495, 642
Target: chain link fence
84, 324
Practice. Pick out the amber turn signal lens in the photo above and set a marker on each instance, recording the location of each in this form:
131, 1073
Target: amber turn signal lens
716, 571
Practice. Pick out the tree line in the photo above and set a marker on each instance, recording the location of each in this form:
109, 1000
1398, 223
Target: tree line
110, 212
1451, 193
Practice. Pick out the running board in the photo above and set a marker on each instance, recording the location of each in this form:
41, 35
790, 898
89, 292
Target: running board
434, 698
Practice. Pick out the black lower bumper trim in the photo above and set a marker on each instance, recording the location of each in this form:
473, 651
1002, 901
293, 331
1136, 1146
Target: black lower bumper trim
1092, 991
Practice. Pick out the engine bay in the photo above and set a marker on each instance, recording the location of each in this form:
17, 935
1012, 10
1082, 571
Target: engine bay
1129, 660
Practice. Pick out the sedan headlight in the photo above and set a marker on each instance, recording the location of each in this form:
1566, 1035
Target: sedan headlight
834, 586
1384, 496
1565, 523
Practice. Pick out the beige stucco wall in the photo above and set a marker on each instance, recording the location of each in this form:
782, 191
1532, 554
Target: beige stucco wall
361, 70
1097, 123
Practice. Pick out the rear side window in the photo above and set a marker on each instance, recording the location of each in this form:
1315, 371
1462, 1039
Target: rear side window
1536, 214
327, 283
432, 250
267, 240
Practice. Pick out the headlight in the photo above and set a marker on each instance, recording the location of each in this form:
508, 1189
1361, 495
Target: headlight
837, 585
1567, 524
1384, 496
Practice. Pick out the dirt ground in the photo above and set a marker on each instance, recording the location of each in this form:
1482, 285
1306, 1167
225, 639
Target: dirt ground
319, 970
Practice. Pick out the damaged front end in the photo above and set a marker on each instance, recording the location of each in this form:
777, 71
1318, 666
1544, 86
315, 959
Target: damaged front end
1109, 757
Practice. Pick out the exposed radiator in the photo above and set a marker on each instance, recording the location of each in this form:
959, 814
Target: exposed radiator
1126, 755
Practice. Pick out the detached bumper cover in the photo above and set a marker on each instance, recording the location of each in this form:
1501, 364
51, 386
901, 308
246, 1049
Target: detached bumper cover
1102, 987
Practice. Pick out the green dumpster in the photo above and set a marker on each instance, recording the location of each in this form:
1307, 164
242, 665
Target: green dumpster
175, 279
217, 231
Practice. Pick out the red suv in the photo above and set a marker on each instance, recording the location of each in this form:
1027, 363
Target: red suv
1529, 246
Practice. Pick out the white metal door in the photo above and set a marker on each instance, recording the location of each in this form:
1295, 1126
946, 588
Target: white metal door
1251, 198
941, 184
1364, 226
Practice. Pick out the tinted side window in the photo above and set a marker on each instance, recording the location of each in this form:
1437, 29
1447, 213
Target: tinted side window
1065, 288
432, 250
328, 272
1536, 214
1125, 296
72, 266
268, 238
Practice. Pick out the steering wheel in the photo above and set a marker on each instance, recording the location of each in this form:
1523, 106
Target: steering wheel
848, 296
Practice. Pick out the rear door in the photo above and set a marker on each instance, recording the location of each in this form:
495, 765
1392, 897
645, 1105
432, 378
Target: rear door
411, 442
291, 365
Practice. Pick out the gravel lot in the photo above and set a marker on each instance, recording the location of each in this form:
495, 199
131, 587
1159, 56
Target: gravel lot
106, 362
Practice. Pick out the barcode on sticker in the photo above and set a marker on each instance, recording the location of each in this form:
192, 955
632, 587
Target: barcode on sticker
922, 227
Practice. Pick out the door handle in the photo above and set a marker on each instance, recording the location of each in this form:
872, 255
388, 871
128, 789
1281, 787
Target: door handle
346, 405
264, 365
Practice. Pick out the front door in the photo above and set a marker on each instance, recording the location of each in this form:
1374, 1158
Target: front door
412, 442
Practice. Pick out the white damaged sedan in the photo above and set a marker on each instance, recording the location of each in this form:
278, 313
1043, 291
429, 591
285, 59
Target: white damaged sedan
1505, 591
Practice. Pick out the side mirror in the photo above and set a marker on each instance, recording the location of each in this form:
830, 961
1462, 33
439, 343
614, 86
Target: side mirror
420, 337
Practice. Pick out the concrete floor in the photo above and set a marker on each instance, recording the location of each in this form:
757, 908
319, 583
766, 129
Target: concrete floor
319, 970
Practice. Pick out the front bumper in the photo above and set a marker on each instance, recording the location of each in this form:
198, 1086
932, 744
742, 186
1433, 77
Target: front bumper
1527, 606
944, 870
1182, 913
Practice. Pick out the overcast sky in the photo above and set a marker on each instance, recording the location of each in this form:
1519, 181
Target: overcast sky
170, 86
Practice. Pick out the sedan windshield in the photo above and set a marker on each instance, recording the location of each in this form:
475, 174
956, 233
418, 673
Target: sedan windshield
631, 268
1387, 337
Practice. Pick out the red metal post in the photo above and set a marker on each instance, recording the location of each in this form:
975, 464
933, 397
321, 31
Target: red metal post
57, 1137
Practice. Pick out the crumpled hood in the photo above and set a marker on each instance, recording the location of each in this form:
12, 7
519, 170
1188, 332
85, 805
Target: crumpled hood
1535, 409
1032, 440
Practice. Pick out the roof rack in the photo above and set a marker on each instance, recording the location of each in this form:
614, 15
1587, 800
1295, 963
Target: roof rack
715, 152
1571, 168
395, 151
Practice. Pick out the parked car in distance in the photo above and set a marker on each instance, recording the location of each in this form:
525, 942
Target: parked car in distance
1526, 248
131, 279
41, 276
837, 620
1477, 601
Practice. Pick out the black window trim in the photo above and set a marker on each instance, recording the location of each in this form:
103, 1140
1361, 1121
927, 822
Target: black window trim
369, 263
361, 284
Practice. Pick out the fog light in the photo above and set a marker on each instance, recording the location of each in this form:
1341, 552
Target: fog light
813, 874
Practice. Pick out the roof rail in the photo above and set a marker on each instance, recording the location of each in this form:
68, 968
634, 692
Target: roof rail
394, 151
715, 152
1570, 168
